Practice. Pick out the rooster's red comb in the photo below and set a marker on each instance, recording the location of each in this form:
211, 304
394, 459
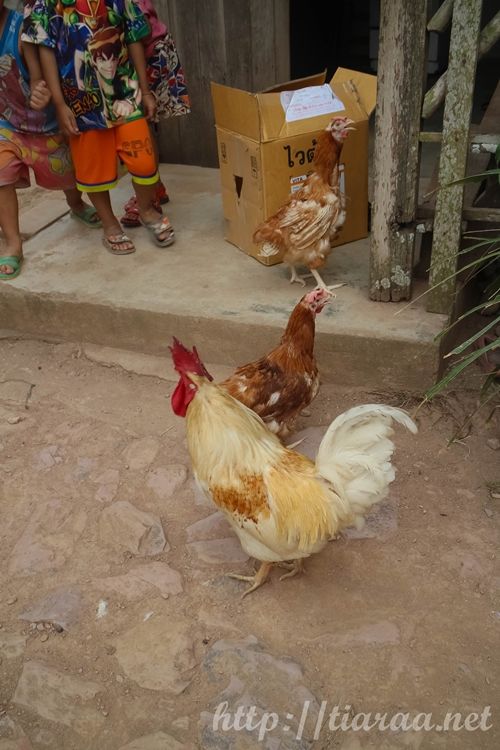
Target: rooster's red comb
187, 361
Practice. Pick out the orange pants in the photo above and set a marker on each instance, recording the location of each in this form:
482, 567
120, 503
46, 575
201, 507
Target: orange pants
96, 153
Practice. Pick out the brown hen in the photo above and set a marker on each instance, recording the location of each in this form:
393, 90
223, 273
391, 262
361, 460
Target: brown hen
284, 382
306, 225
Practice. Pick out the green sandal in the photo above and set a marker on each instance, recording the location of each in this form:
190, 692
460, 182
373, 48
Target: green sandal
86, 217
15, 262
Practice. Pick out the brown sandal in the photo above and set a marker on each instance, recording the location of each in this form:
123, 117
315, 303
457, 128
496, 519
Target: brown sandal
112, 244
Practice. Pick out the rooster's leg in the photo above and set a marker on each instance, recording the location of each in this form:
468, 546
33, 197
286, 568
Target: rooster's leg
295, 277
322, 284
297, 566
257, 580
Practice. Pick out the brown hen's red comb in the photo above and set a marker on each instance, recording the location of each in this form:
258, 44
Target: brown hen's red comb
186, 361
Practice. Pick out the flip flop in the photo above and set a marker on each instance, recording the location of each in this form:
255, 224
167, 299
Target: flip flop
111, 244
85, 217
15, 262
156, 228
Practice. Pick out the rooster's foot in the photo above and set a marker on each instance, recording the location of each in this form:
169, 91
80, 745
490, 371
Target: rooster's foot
295, 567
257, 580
296, 278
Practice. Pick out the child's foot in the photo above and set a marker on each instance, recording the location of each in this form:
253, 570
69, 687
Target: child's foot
11, 258
131, 216
86, 214
160, 228
116, 242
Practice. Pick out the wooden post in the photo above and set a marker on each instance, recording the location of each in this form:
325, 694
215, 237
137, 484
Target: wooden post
401, 70
434, 97
454, 148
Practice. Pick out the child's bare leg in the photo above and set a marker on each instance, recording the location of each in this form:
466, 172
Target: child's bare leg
9, 222
110, 224
77, 204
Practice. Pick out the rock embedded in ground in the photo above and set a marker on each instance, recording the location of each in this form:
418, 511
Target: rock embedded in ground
141, 453
60, 697
211, 527
144, 580
251, 675
49, 537
161, 576
200, 498
48, 457
108, 483
84, 466
15, 391
158, 654
156, 741
11, 645
12, 735
493, 443
123, 525
218, 551
166, 480
61, 607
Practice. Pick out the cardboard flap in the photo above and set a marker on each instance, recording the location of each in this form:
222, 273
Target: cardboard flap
299, 83
366, 86
236, 110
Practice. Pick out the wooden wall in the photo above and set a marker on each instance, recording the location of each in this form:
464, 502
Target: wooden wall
242, 43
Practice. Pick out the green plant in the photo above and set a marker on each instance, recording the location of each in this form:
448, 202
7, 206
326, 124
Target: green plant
488, 245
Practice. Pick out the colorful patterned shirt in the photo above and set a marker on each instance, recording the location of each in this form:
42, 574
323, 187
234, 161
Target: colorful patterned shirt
15, 111
90, 37
158, 29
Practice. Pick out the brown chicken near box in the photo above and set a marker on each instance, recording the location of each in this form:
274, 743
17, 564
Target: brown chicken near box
303, 230
284, 382
282, 506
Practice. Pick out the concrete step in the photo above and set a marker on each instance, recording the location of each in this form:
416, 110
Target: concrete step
206, 292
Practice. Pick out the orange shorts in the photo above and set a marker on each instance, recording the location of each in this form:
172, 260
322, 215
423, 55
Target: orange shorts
96, 153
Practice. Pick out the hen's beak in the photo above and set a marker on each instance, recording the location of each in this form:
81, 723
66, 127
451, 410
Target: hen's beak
347, 125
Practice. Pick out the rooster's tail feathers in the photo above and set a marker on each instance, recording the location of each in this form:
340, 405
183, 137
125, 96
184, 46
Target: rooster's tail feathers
355, 455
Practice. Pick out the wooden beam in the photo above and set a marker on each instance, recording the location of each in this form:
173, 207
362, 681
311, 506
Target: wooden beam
401, 70
435, 96
425, 216
453, 159
441, 17
477, 139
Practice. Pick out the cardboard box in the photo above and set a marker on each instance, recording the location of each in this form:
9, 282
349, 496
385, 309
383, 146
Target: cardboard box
266, 148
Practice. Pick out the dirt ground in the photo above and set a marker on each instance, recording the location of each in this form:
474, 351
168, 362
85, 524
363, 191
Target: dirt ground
119, 630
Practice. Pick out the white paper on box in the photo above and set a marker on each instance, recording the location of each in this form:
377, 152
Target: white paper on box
310, 102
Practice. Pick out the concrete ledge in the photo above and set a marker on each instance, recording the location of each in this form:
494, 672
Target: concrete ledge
206, 292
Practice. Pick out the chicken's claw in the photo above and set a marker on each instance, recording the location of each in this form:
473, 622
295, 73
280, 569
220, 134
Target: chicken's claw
295, 278
257, 580
295, 567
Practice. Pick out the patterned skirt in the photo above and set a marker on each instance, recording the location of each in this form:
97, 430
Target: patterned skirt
166, 79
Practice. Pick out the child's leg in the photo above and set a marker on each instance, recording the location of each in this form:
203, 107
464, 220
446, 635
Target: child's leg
80, 209
161, 194
136, 151
95, 176
130, 216
9, 223
13, 173
114, 239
